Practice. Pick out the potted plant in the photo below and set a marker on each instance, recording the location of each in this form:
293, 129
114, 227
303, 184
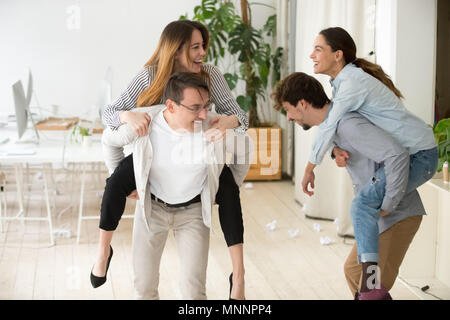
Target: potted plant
81, 135
256, 64
442, 135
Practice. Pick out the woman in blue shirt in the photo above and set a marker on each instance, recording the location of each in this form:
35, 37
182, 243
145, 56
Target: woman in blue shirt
362, 86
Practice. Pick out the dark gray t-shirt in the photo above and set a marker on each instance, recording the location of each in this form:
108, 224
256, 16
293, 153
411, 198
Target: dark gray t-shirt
371, 148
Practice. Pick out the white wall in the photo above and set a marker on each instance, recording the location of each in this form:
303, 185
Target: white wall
69, 57
68, 60
386, 36
406, 49
333, 189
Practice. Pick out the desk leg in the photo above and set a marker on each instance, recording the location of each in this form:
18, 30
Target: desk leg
80, 211
69, 170
55, 191
19, 186
27, 177
48, 169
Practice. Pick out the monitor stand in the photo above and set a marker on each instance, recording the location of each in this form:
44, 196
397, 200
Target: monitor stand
33, 140
36, 138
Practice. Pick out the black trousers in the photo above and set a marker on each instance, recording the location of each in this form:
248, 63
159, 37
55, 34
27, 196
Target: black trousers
122, 182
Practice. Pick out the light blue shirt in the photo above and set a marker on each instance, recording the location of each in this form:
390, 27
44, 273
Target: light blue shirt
356, 90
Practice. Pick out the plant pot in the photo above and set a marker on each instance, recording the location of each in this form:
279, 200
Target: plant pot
87, 141
266, 159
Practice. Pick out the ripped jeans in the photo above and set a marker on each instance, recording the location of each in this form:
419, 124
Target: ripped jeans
365, 207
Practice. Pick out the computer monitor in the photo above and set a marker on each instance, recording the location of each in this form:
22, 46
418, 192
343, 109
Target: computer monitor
29, 88
20, 103
22, 110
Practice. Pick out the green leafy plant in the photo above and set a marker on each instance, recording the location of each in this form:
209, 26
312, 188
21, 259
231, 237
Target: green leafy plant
234, 34
442, 135
78, 133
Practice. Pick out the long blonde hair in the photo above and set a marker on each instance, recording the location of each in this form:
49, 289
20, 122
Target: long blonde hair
339, 39
174, 36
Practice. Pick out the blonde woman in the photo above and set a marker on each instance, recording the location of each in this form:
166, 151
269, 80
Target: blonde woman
182, 47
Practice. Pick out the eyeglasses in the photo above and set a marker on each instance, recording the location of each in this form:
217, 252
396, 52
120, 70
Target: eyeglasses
197, 110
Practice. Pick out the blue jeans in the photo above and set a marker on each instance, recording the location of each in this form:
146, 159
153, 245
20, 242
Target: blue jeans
365, 207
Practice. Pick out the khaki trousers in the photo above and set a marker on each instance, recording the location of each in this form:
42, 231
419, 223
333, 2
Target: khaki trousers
394, 243
192, 239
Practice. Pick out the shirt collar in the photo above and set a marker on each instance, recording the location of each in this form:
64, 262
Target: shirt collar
341, 75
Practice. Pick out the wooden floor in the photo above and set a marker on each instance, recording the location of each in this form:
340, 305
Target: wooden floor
277, 266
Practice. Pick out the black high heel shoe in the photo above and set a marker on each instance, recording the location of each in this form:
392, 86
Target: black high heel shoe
231, 285
98, 281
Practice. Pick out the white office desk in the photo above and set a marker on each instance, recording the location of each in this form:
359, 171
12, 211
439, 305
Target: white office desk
49, 150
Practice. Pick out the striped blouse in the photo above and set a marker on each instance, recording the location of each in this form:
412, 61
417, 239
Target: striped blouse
220, 95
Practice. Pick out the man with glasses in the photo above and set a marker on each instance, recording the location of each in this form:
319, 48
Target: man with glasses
174, 173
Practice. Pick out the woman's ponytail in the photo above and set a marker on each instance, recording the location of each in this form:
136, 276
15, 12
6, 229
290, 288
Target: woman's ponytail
376, 71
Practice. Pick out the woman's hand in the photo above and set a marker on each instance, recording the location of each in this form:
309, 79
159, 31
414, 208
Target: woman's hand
138, 121
341, 156
383, 213
219, 126
133, 195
